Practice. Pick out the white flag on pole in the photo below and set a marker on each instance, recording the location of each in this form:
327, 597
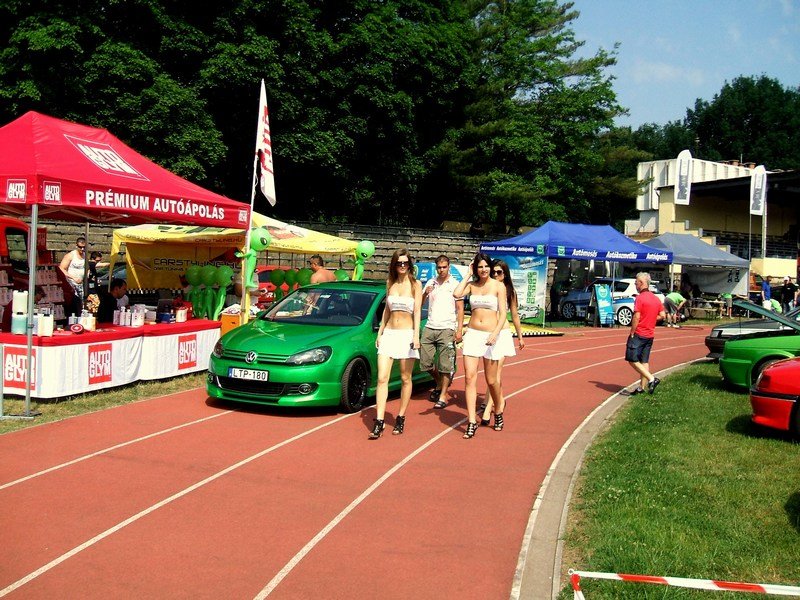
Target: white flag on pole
264, 149
683, 178
758, 190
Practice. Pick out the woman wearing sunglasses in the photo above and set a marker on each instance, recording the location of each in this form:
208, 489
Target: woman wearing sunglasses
501, 273
487, 299
398, 338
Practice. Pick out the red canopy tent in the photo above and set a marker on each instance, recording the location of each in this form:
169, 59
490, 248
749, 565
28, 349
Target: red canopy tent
71, 172
79, 173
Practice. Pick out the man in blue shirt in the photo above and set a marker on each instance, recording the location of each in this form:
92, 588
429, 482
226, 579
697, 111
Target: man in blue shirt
766, 293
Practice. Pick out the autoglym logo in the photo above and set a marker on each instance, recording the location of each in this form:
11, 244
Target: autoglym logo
15, 361
187, 351
100, 370
243, 216
17, 190
105, 157
51, 192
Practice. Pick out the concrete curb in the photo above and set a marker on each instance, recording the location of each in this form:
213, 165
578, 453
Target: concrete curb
538, 572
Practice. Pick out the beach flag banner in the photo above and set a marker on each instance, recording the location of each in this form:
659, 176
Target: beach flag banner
711, 585
266, 173
758, 190
683, 178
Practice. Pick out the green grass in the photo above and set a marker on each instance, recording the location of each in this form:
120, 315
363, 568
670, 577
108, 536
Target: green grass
683, 485
61, 408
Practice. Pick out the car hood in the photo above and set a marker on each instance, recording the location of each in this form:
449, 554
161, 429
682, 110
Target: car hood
285, 339
773, 316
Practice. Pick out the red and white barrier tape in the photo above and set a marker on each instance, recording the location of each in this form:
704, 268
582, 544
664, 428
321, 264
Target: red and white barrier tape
697, 584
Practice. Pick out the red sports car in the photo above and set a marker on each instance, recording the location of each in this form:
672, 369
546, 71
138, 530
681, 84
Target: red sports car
774, 396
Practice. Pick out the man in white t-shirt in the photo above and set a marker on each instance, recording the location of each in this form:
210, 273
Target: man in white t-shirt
442, 331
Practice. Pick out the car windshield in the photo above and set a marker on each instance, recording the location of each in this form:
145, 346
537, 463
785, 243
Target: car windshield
790, 319
321, 306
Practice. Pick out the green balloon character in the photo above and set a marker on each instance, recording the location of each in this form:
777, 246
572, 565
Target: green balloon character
277, 277
260, 239
291, 278
193, 277
341, 275
224, 279
364, 250
304, 276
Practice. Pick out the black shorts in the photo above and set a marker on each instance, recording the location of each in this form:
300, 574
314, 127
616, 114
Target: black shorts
638, 349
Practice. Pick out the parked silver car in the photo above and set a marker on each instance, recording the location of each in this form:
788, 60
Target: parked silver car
575, 303
715, 341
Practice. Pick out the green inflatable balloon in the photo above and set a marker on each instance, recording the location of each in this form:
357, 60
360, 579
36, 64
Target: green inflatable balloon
224, 276
291, 277
277, 277
260, 239
193, 275
365, 249
208, 275
341, 275
304, 276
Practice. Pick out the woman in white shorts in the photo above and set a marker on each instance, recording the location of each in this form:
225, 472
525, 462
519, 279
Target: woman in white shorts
501, 273
398, 338
487, 299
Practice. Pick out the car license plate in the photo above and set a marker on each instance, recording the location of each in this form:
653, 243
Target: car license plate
252, 374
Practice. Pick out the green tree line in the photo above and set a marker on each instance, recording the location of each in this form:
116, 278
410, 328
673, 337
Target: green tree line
393, 112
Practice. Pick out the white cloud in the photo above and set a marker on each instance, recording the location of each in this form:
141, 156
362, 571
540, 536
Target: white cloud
645, 72
734, 33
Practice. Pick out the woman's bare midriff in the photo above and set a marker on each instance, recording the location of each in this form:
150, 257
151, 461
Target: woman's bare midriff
483, 319
399, 319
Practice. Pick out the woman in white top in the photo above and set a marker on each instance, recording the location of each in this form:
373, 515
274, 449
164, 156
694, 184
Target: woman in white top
501, 273
398, 338
487, 299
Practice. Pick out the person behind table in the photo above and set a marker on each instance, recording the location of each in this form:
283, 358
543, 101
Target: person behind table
673, 304
320, 274
647, 311
73, 265
108, 300
398, 337
501, 273
788, 294
487, 299
95, 260
442, 330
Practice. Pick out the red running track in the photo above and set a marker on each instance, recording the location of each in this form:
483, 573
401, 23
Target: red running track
180, 497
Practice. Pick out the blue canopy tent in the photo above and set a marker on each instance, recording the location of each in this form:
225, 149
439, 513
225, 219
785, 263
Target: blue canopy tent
527, 254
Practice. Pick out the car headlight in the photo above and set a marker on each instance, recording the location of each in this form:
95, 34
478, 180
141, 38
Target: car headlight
218, 350
310, 357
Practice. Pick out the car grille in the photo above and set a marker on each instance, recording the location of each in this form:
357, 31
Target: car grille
258, 388
263, 358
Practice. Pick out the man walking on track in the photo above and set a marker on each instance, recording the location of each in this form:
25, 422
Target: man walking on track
647, 311
442, 330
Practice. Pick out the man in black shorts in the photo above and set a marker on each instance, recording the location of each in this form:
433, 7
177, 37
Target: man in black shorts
647, 311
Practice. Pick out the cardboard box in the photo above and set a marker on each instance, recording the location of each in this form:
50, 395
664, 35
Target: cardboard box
228, 322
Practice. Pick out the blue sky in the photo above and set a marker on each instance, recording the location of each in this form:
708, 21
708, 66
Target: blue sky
675, 51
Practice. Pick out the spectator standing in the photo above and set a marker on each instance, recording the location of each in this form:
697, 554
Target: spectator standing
766, 293
73, 265
788, 294
398, 338
320, 274
673, 304
647, 311
442, 331
95, 260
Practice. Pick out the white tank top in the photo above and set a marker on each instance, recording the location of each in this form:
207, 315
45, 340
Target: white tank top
488, 302
401, 303
77, 266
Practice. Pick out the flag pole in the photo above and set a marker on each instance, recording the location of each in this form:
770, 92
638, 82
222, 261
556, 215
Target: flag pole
244, 316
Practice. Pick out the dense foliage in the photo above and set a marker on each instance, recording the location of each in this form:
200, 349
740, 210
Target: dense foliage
391, 112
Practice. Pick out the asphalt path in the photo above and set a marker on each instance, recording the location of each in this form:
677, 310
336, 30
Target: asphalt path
183, 497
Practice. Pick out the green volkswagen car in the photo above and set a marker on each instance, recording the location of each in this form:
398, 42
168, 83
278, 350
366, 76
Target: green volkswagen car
744, 358
316, 347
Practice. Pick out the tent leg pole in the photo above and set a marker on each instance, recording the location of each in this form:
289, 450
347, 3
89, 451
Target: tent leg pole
32, 241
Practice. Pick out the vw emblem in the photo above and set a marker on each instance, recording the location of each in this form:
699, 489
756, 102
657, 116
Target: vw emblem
250, 357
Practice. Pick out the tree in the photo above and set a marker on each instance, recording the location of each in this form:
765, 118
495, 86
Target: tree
525, 153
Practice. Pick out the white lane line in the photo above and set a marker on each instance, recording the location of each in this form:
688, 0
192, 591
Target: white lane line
101, 536
268, 589
109, 449
305, 550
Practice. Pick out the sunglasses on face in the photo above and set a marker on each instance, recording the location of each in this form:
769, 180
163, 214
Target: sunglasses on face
498, 272
402, 263
81, 247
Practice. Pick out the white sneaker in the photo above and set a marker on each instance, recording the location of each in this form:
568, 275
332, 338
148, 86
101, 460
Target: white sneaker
676, 326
